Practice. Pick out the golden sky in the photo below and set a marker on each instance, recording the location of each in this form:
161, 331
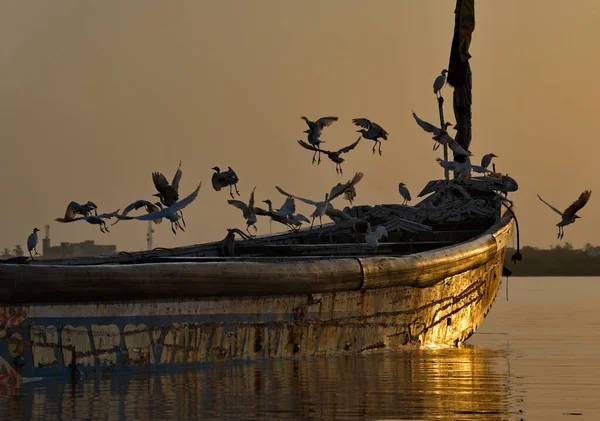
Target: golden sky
94, 96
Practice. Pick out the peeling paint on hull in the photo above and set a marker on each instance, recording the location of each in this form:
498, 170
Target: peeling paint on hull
49, 340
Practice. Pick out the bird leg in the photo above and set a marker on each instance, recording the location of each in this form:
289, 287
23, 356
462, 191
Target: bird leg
36, 252
105, 227
236, 190
374, 147
173, 228
379, 142
321, 221
230, 192
182, 220
248, 230
179, 226
312, 222
314, 157
31, 255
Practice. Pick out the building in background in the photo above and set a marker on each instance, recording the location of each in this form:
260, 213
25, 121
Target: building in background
83, 249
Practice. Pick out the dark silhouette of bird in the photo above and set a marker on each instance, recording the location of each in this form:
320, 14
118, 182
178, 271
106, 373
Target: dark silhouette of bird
373, 131
315, 129
224, 179
570, 214
32, 241
248, 211
334, 156
150, 208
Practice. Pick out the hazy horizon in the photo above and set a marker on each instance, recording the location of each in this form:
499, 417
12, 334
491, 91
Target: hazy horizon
97, 96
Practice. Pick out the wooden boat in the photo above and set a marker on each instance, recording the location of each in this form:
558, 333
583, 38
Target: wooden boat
297, 294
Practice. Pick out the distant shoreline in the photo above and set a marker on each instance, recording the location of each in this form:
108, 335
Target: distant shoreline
558, 261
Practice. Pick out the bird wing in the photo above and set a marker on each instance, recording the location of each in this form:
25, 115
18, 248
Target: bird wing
578, 204
457, 148
240, 205
380, 130
73, 208
251, 201
261, 211
66, 220
307, 201
288, 207
362, 122
135, 206
324, 122
301, 218
216, 181
550, 206
349, 147
164, 188
177, 178
108, 215
171, 209
428, 127
337, 190
309, 147
232, 176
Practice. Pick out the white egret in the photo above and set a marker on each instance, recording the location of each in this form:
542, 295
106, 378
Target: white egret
248, 211
403, 190
373, 131
439, 83
487, 159
569, 215
321, 207
453, 166
372, 237
441, 136
224, 179
150, 208
315, 129
32, 241
172, 213
340, 218
334, 156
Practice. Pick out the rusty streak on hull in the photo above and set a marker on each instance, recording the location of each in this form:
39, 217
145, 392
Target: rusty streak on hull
424, 302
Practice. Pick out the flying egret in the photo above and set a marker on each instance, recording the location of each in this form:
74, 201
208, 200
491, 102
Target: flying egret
321, 207
439, 83
403, 190
32, 241
224, 179
172, 213
315, 129
281, 215
373, 131
334, 156
168, 194
349, 194
441, 136
372, 237
569, 215
94, 219
75, 208
487, 159
247, 211
150, 207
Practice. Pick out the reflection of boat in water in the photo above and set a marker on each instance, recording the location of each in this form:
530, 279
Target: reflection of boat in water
459, 383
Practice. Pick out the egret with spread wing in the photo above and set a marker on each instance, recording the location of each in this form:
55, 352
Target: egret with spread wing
150, 208
570, 214
334, 156
94, 219
373, 131
248, 211
321, 207
282, 215
315, 129
168, 194
222, 179
441, 136
349, 194
172, 213
75, 208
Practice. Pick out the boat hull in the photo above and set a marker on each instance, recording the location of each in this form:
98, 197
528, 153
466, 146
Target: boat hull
383, 312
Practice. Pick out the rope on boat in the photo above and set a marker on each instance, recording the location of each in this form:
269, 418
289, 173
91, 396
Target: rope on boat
517, 257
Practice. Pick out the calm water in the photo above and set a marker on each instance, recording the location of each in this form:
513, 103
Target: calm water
536, 357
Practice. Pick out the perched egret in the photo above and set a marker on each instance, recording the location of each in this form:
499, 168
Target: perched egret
321, 207
224, 179
172, 213
373, 131
315, 129
487, 159
334, 156
569, 215
403, 190
32, 241
454, 166
439, 83
247, 211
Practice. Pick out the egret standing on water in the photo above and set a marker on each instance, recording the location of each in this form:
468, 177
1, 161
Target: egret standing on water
439, 83
569, 215
315, 128
32, 241
404, 193
373, 131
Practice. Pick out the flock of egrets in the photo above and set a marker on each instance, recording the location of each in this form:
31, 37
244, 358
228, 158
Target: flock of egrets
170, 207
